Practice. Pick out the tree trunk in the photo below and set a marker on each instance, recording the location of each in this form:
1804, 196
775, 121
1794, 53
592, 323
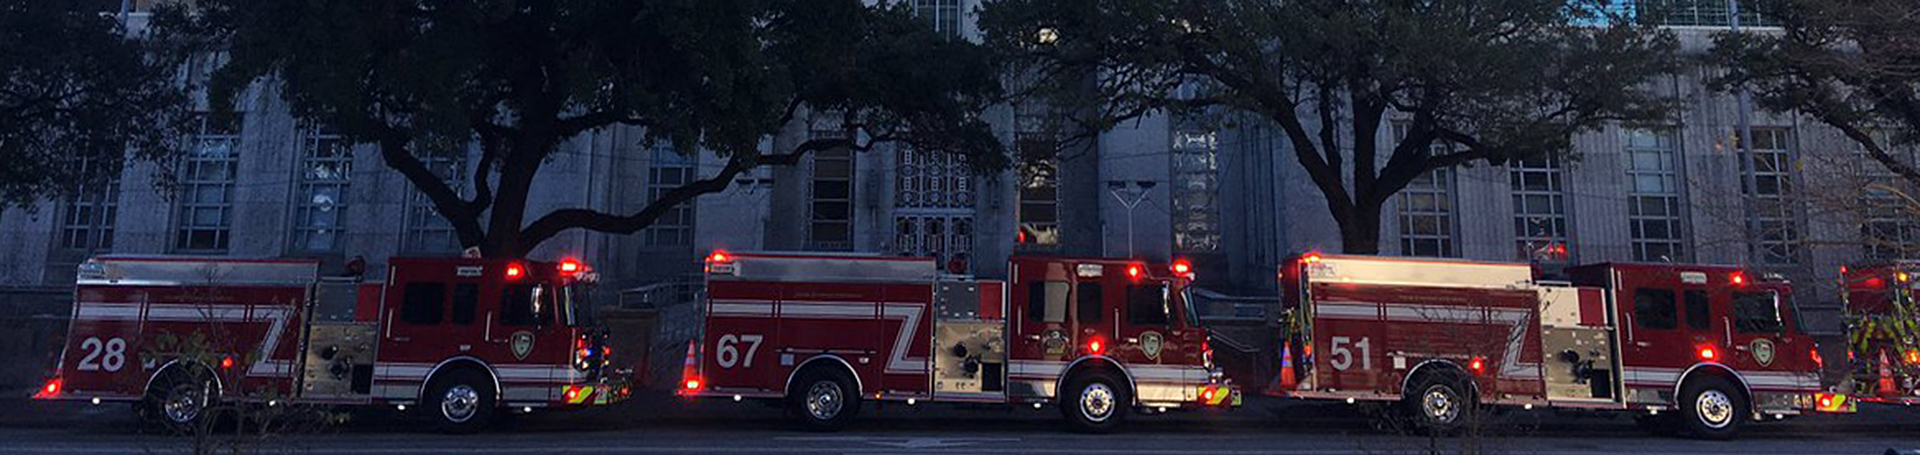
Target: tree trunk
1360, 229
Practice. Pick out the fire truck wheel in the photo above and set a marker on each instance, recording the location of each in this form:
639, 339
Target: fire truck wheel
1095, 402
1712, 407
825, 399
1438, 404
178, 399
461, 401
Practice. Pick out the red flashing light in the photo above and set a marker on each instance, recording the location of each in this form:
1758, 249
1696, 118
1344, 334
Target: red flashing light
1738, 279
1875, 283
226, 362
1478, 365
1133, 271
580, 343
693, 384
572, 393
1182, 267
1313, 258
585, 353
1826, 401
514, 271
718, 256
1913, 357
52, 389
1096, 347
1843, 270
569, 266
1207, 395
1707, 353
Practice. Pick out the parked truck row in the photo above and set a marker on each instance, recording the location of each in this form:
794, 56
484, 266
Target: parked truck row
1700, 348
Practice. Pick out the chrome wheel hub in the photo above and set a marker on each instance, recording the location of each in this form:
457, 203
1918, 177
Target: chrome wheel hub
1440, 404
824, 400
1714, 408
1096, 402
460, 403
184, 403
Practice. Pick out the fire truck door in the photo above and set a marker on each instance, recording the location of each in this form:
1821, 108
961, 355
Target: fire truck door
1150, 342
1656, 348
1766, 345
527, 339
1041, 340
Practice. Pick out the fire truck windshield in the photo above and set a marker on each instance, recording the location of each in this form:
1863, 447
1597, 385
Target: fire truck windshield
1186, 307
575, 305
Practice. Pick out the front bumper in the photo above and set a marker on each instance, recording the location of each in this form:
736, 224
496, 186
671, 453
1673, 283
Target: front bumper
1219, 395
601, 393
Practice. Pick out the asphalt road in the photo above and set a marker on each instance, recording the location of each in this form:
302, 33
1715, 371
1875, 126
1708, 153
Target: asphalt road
667, 426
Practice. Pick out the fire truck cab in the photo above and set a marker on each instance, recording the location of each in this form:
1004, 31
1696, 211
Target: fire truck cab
1883, 331
1097, 337
1709, 346
458, 338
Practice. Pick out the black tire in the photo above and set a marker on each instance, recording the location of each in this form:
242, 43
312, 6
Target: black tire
1711, 407
1094, 401
181, 399
824, 399
1439, 403
460, 401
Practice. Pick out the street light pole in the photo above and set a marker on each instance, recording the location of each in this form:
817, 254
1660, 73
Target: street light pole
1116, 188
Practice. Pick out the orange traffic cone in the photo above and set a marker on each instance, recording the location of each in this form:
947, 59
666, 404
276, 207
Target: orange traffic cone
1285, 380
1886, 377
690, 371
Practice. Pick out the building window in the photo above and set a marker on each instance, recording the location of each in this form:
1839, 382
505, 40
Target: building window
1039, 173
667, 170
320, 203
86, 222
943, 15
1653, 198
933, 205
1770, 194
1426, 208
1889, 229
1426, 215
1196, 190
206, 186
1699, 13
1539, 209
427, 230
830, 195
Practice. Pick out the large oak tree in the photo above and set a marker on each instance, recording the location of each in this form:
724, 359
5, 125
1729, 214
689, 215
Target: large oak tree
520, 77
1851, 64
80, 97
1473, 80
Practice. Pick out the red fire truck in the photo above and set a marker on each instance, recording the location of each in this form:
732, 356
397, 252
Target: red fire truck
459, 338
1883, 332
1708, 345
1097, 337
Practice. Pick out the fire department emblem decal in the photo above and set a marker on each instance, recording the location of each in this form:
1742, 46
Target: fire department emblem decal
1150, 344
1763, 351
522, 344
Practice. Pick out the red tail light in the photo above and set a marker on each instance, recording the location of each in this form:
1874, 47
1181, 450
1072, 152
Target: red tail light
52, 389
514, 271
569, 266
1182, 267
